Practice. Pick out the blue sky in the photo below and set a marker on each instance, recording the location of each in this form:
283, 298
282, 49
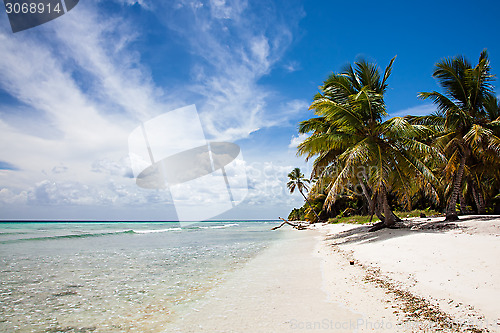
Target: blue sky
73, 89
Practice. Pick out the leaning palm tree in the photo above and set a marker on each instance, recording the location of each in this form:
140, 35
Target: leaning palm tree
467, 132
299, 182
351, 142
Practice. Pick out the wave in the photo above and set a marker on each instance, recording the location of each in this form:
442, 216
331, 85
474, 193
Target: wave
155, 231
99, 234
13, 233
86, 235
213, 226
224, 226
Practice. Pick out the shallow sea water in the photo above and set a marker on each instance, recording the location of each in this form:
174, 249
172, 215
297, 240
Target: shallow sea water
115, 277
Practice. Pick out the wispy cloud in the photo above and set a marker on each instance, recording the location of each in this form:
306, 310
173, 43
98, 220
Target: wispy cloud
420, 110
292, 66
237, 46
296, 140
80, 123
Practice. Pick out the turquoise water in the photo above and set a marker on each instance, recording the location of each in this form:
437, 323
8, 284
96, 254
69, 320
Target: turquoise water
115, 277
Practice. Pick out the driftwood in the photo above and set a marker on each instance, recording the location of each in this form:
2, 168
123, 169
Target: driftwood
296, 226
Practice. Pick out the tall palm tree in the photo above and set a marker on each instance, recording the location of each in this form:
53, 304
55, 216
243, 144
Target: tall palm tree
483, 168
349, 135
299, 182
467, 132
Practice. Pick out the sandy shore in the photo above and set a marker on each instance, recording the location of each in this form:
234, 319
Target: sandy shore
278, 291
436, 276
402, 280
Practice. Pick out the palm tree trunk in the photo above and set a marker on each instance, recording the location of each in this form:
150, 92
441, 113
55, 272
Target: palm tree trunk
379, 208
367, 195
482, 205
309, 205
372, 207
474, 194
451, 209
390, 218
463, 206
478, 198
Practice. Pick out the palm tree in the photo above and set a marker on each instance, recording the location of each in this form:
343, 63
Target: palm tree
483, 168
298, 181
466, 130
350, 138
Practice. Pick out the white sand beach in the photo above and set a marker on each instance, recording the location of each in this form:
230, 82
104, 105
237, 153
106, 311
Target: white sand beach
455, 269
401, 280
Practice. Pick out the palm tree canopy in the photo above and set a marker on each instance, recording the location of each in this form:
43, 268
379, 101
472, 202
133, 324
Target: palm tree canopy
468, 112
350, 135
297, 180
466, 122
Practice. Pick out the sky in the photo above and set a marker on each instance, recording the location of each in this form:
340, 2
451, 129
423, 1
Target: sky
74, 89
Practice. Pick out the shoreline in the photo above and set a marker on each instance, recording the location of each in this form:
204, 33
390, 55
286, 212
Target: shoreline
305, 282
280, 290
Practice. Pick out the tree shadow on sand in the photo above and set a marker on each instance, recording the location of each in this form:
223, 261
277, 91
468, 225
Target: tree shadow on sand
362, 234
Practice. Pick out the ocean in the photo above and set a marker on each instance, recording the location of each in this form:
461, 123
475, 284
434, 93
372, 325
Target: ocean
116, 276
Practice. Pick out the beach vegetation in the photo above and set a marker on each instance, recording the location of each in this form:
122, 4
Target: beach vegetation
299, 182
367, 164
356, 149
467, 126
363, 219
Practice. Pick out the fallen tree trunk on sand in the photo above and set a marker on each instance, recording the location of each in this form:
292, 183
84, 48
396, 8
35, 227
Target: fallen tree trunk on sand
296, 226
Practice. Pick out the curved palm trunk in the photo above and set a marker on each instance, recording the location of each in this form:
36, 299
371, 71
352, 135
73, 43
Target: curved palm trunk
372, 208
461, 200
478, 198
482, 205
390, 218
451, 209
309, 204
366, 194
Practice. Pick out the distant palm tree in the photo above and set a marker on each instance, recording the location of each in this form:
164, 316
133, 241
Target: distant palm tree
351, 136
467, 123
299, 182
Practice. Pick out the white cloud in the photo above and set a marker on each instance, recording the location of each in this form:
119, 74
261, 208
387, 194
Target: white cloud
51, 91
69, 133
100, 48
237, 47
75, 193
9, 197
421, 110
59, 169
116, 168
260, 50
227, 9
292, 66
142, 3
296, 140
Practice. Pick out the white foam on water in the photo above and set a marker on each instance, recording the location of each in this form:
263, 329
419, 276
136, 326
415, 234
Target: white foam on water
156, 231
224, 226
